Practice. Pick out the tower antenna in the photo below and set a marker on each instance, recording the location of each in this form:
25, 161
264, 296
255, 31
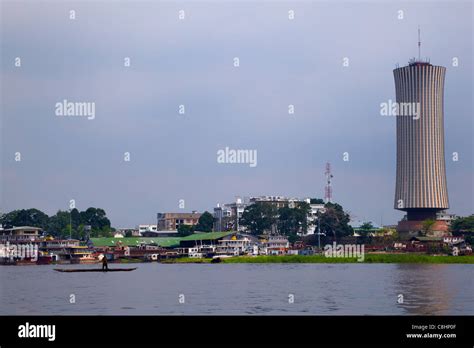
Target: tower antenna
419, 44
328, 188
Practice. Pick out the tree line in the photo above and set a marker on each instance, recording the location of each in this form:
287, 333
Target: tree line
264, 218
91, 222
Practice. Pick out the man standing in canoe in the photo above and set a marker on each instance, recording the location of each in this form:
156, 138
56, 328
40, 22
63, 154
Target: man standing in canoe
105, 266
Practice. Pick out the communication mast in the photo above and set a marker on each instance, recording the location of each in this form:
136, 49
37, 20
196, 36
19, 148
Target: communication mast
419, 44
328, 188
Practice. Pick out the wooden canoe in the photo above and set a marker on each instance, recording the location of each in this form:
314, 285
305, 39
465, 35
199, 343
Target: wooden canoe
94, 269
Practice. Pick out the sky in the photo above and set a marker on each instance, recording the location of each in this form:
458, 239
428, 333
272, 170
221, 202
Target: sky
190, 62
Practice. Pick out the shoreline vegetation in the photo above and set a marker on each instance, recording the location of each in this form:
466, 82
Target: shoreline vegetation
369, 258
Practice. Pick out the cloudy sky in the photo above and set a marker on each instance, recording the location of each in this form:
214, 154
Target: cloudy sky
190, 62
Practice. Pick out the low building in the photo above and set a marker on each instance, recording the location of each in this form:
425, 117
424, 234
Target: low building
235, 244
443, 215
199, 239
58, 244
460, 248
429, 244
356, 226
453, 239
146, 228
68, 250
275, 245
428, 240
194, 253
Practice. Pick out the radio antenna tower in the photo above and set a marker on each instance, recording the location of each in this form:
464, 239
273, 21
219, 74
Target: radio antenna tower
419, 44
328, 188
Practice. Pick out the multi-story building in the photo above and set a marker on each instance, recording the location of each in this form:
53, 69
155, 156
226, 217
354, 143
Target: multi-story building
316, 210
171, 221
223, 220
421, 189
227, 217
21, 234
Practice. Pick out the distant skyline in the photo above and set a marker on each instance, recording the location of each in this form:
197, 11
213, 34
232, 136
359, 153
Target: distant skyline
190, 62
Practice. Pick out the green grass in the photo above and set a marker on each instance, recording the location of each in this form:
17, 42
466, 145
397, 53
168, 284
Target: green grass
122, 260
369, 258
186, 260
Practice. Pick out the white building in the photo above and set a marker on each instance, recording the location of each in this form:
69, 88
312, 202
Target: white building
313, 217
147, 228
194, 253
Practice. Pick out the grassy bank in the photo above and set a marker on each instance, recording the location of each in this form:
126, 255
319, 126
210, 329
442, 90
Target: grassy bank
186, 260
369, 258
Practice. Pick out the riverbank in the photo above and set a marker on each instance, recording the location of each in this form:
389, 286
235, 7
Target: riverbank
369, 258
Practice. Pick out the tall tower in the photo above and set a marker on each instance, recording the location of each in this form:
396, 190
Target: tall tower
328, 187
421, 188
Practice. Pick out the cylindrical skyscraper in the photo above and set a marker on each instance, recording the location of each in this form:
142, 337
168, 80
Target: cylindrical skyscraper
421, 188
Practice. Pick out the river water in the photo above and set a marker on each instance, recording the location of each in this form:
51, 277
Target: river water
316, 289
